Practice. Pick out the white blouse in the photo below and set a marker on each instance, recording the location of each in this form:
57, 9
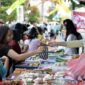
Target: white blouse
71, 37
32, 44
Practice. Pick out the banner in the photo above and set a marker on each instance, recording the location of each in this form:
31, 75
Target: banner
14, 6
79, 19
60, 5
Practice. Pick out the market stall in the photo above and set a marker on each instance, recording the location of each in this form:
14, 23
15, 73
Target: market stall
37, 71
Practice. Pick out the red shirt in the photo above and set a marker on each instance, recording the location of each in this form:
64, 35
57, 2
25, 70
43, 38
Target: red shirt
15, 46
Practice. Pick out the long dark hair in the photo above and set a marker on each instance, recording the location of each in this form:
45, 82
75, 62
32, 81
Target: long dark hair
3, 33
40, 30
18, 32
71, 29
33, 33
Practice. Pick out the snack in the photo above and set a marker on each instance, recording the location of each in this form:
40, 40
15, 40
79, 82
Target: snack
29, 80
36, 64
38, 80
48, 77
18, 71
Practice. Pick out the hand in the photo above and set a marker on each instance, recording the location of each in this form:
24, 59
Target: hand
4, 58
43, 44
40, 49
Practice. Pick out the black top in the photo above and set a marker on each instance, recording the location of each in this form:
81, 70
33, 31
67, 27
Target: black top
4, 51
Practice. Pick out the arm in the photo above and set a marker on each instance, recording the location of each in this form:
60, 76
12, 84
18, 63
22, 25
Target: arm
76, 43
19, 57
25, 48
69, 44
6, 62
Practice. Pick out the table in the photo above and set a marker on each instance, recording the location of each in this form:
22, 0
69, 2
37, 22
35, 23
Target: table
57, 67
60, 68
25, 66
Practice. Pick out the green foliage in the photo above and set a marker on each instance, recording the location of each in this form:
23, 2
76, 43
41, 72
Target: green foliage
34, 15
50, 17
4, 5
7, 2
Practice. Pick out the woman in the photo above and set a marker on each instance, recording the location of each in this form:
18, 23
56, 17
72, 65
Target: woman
40, 34
71, 34
5, 37
76, 67
52, 35
33, 43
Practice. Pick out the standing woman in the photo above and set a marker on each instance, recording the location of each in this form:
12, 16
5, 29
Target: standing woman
71, 34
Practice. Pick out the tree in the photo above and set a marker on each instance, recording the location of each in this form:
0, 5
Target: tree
33, 16
4, 5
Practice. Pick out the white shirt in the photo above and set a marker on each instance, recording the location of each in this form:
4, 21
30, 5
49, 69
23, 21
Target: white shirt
32, 44
71, 50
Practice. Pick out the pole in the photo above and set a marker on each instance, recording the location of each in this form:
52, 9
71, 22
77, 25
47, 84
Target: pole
42, 15
0, 2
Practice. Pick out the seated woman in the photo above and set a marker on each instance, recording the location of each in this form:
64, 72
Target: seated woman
5, 37
33, 43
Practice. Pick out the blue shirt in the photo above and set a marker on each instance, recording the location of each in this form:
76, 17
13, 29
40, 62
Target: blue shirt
3, 71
